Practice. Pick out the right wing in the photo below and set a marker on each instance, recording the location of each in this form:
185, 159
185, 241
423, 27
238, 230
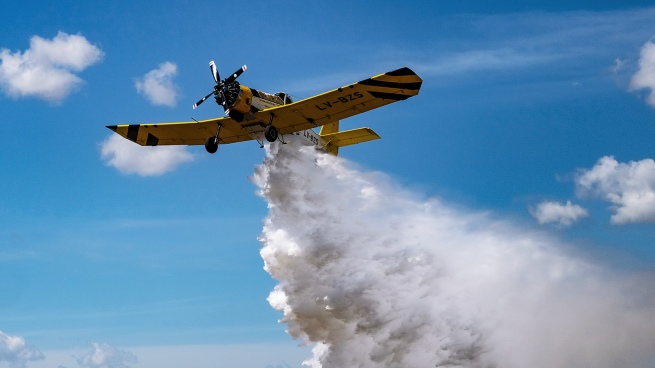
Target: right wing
343, 102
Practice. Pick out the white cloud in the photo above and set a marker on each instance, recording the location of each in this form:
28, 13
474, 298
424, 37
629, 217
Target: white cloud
130, 158
492, 59
644, 78
618, 65
45, 70
630, 187
564, 214
106, 356
157, 85
15, 351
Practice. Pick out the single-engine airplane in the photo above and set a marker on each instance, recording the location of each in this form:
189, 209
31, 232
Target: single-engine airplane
254, 114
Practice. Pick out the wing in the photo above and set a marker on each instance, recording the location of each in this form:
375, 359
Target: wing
344, 102
309, 113
183, 133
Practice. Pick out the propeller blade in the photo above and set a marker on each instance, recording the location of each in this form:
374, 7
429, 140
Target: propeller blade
234, 76
202, 100
214, 70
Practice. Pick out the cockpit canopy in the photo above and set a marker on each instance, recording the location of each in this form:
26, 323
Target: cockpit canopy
286, 99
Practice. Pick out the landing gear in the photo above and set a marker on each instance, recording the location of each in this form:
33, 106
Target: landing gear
211, 144
270, 133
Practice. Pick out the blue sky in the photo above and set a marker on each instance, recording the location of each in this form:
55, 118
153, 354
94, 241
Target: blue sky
536, 113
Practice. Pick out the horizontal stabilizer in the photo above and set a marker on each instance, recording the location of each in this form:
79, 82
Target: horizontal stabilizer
347, 138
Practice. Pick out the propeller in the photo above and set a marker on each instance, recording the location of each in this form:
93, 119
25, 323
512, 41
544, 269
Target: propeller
234, 75
222, 87
215, 74
202, 100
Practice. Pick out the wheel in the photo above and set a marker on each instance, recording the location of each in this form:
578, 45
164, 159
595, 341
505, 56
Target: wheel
211, 144
270, 133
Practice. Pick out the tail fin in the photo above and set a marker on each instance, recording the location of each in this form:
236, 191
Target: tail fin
329, 128
335, 139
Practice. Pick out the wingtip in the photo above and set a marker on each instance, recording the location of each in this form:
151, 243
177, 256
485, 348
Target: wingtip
405, 71
112, 127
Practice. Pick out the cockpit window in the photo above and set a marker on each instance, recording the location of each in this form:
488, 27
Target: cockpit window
284, 97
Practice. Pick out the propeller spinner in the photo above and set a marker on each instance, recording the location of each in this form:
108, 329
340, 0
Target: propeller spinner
222, 87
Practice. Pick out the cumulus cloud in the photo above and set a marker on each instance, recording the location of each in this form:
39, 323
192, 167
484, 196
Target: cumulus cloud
46, 69
157, 85
630, 187
130, 158
375, 276
16, 352
106, 356
644, 78
564, 214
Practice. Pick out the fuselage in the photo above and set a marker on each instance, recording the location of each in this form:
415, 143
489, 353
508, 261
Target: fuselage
242, 106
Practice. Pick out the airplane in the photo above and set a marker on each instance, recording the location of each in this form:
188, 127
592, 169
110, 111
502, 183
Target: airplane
253, 114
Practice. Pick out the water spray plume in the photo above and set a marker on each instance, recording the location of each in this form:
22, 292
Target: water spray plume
375, 276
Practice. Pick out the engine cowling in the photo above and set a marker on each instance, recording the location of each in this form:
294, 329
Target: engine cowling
238, 98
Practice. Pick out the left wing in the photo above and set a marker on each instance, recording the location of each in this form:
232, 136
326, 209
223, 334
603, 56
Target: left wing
183, 133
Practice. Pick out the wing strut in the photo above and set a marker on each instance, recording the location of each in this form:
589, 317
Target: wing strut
218, 130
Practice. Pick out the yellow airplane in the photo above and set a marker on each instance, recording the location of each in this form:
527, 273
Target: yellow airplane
257, 115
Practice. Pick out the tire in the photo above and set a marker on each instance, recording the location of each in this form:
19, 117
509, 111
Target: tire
211, 144
270, 133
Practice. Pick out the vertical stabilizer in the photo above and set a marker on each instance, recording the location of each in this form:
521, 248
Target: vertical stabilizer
329, 128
